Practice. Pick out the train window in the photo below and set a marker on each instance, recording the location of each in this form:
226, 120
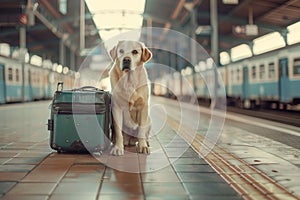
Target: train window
17, 75
10, 74
262, 71
253, 72
271, 70
296, 68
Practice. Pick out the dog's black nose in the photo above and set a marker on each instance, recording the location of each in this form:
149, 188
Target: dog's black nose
126, 60
126, 63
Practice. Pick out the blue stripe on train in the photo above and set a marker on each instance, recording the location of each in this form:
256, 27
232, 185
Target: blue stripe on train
14, 93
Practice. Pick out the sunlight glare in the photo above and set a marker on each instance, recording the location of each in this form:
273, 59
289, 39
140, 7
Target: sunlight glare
117, 16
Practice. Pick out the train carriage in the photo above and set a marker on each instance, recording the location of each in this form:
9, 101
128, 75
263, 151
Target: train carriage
36, 77
174, 87
46, 85
271, 79
27, 85
292, 94
2, 84
39, 81
13, 80
4, 53
200, 86
267, 79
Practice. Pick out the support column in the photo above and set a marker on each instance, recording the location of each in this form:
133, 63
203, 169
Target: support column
82, 25
149, 32
214, 50
22, 57
72, 60
214, 35
193, 45
22, 44
180, 62
62, 52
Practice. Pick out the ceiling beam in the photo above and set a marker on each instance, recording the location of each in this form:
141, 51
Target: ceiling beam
56, 15
238, 21
160, 20
177, 9
237, 7
277, 8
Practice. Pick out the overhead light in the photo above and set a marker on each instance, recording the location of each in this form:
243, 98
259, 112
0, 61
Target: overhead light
203, 30
65, 70
189, 6
251, 30
59, 68
231, 1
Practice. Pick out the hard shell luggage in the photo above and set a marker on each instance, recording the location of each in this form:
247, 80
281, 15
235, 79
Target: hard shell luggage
80, 120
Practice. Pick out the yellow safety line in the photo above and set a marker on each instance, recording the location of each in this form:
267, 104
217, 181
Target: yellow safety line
252, 183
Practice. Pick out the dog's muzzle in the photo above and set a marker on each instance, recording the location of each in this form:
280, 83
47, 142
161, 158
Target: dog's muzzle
126, 64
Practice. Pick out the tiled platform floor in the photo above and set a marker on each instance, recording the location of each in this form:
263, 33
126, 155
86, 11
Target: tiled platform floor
32, 171
29, 169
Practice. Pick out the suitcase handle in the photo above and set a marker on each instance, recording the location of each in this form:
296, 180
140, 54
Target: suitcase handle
86, 88
61, 84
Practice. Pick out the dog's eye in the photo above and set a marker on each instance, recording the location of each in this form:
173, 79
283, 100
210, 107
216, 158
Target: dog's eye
121, 51
134, 52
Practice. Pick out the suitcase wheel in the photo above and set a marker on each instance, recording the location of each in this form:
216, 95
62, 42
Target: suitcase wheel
77, 146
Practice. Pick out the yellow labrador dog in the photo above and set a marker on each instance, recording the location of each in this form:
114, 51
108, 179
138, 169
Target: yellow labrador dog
130, 96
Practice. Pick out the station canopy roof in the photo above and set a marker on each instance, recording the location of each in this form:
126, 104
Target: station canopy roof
52, 25
233, 17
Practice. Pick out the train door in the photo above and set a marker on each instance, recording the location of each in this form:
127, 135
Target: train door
245, 88
2, 84
283, 81
29, 82
245, 83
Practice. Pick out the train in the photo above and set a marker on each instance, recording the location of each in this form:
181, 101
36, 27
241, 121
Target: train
268, 80
40, 76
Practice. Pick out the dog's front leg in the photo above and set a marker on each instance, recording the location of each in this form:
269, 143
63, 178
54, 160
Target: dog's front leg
143, 131
118, 148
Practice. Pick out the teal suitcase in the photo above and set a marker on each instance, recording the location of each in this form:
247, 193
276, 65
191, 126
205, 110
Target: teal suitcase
80, 120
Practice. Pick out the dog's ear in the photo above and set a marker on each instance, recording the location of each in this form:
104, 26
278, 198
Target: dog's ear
113, 53
146, 54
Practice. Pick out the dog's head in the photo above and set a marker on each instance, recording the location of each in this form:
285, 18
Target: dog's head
130, 54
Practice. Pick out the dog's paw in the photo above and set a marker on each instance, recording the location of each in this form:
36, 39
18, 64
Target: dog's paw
142, 148
117, 151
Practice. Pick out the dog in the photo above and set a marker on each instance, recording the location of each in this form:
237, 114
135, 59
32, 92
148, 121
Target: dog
130, 96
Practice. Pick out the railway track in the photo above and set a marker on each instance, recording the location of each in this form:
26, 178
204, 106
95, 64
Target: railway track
286, 117
289, 117
248, 181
